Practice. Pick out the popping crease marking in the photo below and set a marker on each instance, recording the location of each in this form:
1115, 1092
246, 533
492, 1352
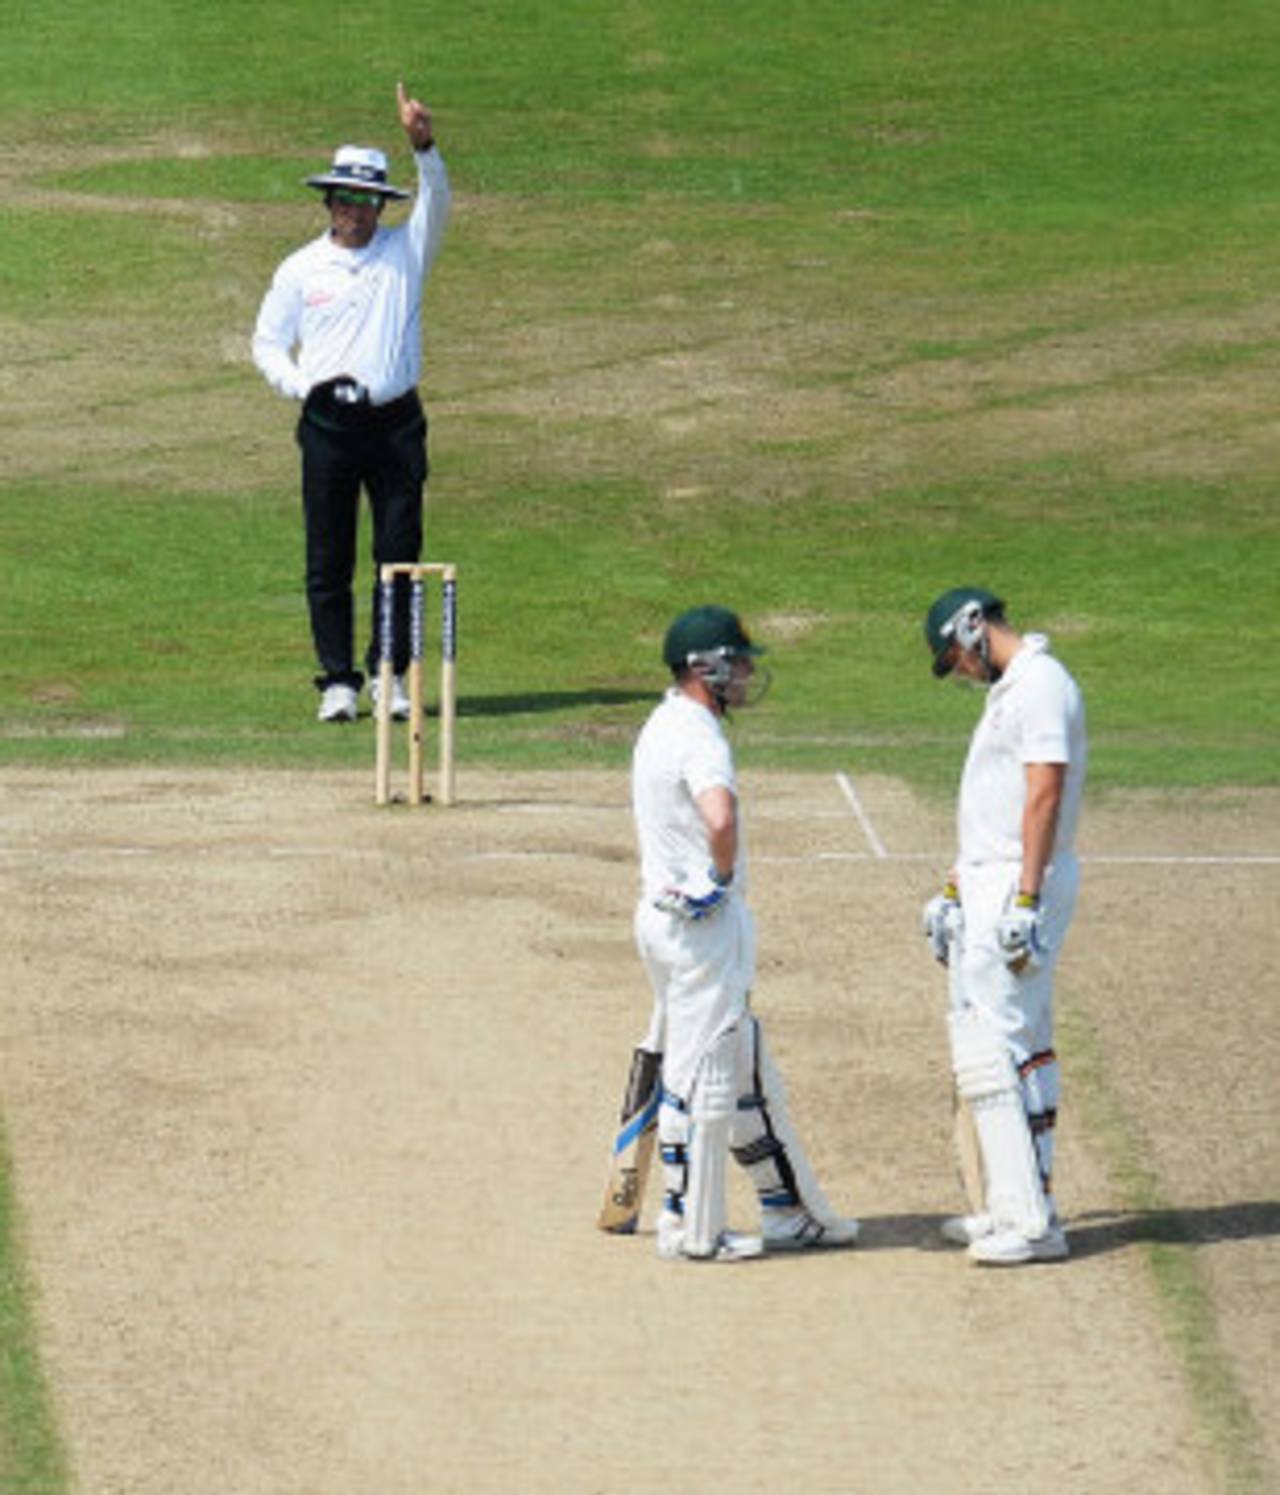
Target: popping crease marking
44, 853
845, 784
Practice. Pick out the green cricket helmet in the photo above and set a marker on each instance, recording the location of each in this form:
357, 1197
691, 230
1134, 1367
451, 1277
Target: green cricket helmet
955, 618
704, 636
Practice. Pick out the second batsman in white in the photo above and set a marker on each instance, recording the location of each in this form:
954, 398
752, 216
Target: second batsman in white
1001, 920
721, 1092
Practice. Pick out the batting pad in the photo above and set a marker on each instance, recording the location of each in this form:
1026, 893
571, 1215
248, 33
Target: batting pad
987, 1080
704, 1206
711, 1110
764, 1140
1041, 1086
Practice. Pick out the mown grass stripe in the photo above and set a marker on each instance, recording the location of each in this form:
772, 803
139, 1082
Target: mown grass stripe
32, 1457
1182, 1294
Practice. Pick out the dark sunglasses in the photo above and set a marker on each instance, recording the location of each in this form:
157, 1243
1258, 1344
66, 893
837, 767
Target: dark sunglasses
356, 199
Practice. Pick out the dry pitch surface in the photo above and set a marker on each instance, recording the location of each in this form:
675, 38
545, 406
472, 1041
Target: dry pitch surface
309, 1107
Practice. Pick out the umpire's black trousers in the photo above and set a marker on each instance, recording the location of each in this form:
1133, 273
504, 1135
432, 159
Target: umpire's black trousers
382, 448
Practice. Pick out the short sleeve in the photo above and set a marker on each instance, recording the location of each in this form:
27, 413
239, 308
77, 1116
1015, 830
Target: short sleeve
709, 764
1046, 712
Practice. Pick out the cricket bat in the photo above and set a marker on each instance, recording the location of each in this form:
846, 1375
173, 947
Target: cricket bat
632, 1152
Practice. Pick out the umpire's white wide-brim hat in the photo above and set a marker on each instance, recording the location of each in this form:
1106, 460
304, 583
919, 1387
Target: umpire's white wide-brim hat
358, 166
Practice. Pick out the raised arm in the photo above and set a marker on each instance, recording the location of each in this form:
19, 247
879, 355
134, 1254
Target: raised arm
431, 210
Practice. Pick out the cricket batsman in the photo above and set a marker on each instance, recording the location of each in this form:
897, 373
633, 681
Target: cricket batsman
1001, 920
720, 1090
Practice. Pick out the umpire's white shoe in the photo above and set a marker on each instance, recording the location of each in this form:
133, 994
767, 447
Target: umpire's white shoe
798, 1230
338, 704
399, 697
1007, 1248
963, 1230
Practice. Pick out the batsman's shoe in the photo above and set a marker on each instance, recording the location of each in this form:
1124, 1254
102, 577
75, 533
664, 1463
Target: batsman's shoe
399, 697
963, 1230
338, 704
798, 1230
730, 1246
1006, 1248
670, 1236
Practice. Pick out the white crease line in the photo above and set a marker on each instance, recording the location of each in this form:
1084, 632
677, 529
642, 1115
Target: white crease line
864, 820
325, 851
871, 857
339, 853
39, 853
1099, 860
1246, 859
559, 807
937, 858
527, 856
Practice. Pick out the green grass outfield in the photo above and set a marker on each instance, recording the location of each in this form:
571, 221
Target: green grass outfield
815, 310
814, 313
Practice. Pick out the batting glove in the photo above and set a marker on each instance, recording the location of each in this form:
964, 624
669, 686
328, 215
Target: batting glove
699, 901
1020, 935
941, 922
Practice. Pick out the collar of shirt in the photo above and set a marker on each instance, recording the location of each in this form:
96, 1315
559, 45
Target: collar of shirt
685, 702
1032, 644
348, 259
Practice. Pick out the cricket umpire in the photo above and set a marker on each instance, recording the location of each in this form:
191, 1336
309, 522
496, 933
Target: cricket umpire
1002, 917
696, 937
340, 330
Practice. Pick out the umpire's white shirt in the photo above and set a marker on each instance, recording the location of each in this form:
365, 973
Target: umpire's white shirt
1034, 714
355, 313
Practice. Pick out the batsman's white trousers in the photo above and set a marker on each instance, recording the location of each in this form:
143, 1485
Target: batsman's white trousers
702, 974
1019, 1006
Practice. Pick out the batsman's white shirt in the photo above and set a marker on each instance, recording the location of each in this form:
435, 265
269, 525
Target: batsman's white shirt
356, 313
701, 973
1034, 714
682, 751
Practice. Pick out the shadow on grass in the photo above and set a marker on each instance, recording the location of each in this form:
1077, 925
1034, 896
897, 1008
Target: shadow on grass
1098, 1231
550, 700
